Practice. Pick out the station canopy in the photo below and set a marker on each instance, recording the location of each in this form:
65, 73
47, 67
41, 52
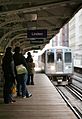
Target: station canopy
32, 23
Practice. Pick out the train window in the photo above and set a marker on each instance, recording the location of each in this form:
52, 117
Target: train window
50, 57
43, 57
68, 57
59, 56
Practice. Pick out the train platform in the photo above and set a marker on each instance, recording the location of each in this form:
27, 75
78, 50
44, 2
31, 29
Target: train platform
45, 103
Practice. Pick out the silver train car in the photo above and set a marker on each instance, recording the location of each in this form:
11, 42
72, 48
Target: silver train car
57, 63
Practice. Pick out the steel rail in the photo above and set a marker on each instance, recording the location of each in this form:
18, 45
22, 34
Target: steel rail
69, 104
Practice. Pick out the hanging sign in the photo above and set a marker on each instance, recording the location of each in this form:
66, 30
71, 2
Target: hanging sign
38, 33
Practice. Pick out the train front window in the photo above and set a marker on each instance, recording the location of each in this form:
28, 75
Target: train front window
68, 57
50, 57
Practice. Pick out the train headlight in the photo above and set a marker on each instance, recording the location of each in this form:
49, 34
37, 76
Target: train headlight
66, 67
52, 68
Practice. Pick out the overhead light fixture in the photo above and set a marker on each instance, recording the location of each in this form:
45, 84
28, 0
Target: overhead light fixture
33, 17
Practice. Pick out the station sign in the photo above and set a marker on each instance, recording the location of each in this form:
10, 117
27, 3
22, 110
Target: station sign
38, 33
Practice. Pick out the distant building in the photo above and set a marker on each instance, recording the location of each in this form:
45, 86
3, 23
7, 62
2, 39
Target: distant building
75, 34
75, 38
62, 38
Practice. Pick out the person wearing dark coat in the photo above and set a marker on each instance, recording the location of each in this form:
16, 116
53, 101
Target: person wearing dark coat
9, 75
31, 66
19, 59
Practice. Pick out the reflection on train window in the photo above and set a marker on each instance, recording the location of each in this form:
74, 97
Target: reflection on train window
50, 57
68, 57
59, 56
43, 58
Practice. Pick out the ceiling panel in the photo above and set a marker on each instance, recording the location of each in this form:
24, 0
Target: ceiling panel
18, 16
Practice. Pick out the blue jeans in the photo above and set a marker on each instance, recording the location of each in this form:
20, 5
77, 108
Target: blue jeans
21, 85
26, 77
30, 79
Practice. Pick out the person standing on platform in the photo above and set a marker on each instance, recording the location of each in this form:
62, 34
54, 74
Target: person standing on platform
9, 75
31, 66
21, 77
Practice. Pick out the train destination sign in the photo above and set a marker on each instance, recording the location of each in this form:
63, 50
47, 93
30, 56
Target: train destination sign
38, 33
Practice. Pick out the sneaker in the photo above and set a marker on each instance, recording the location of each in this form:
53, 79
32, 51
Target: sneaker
32, 83
13, 100
24, 97
29, 95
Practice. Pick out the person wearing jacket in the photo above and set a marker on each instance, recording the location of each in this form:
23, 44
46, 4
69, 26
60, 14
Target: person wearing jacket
21, 78
8, 68
31, 66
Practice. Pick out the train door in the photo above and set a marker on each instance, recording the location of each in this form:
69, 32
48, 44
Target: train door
59, 61
50, 65
68, 64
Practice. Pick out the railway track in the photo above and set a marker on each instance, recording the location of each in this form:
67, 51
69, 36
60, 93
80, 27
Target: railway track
72, 95
72, 100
